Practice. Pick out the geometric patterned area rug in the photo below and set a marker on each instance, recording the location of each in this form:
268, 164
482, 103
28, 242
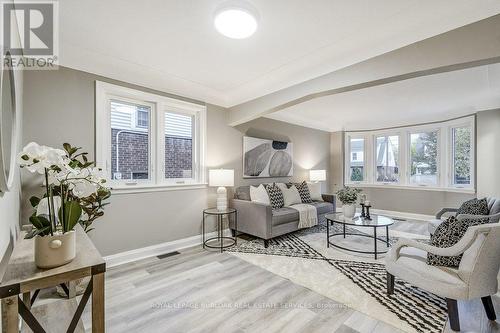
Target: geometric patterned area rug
420, 310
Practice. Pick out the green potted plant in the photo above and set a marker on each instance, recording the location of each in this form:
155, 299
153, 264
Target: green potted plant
74, 192
348, 196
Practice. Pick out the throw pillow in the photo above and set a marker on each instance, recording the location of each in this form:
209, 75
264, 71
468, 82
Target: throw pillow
259, 194
291, 196
303, 189
448, 234
474, 207
275, 196
315, 191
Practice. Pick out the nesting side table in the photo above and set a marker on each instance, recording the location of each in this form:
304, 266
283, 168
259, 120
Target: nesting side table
219, 214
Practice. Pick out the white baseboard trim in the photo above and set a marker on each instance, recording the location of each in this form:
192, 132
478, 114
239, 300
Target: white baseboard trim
403, 215
157, 249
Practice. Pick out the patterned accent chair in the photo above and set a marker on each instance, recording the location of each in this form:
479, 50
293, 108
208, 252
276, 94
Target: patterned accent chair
493, 206
476, 276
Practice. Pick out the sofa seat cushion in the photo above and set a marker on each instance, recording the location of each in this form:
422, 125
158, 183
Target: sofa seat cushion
284, 215
323, 207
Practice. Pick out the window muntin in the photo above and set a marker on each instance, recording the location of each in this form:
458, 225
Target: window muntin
130, 147
142, 117
117, 108
424, 158
387, 159
461, 155
356, 163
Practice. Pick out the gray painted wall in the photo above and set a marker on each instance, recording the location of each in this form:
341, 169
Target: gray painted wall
488, 153
59, 107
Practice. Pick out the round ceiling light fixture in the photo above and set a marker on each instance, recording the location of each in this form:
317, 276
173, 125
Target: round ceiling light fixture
236, 19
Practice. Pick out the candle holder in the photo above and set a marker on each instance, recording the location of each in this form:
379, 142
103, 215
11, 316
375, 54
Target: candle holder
363, 214
368, 212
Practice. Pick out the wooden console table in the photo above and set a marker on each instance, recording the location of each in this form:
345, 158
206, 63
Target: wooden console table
23, 277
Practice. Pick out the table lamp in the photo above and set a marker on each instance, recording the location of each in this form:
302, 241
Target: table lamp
221, 178
317, 175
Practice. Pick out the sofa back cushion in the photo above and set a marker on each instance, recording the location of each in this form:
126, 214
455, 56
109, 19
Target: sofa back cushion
242, 193
315, 191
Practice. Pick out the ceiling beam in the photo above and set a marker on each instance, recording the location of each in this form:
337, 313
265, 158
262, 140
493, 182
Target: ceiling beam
476, 44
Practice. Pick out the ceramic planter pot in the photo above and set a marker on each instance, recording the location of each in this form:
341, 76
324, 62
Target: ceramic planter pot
349, 210
56, 250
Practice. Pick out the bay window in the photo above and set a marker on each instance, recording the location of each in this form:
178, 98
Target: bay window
145, 140
437, 156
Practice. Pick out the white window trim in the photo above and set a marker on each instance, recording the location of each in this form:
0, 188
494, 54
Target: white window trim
445, 156
104, 92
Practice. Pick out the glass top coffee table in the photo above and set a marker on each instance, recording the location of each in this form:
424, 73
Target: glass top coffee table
377, 221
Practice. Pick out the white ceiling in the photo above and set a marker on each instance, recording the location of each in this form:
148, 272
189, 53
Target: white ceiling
424, 99
171, 45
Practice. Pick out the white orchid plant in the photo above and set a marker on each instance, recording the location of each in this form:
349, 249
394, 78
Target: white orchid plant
75, 190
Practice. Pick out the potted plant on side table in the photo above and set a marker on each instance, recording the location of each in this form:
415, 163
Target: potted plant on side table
74, 192
348, 196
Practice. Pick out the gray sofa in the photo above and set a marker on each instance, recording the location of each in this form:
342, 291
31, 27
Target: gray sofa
262, 221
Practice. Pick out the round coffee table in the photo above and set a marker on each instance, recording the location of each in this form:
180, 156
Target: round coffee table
377, 221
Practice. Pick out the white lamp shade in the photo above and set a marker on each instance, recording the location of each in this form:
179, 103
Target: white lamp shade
317, 175
221, 177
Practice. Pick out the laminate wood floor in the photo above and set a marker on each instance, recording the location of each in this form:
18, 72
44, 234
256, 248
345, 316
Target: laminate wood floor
201, 291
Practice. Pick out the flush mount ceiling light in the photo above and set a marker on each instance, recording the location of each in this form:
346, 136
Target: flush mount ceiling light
236, 19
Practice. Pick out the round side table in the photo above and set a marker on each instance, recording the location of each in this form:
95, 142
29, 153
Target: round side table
219, 214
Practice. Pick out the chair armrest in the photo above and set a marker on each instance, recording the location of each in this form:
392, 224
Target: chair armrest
455, 250
445, 210
253, 218
461, 217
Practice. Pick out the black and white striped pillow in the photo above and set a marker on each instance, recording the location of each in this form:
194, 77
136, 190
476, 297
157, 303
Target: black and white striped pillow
304, 193
275, 196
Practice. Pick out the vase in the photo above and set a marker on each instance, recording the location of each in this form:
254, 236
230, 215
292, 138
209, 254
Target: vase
56, 250
349, 210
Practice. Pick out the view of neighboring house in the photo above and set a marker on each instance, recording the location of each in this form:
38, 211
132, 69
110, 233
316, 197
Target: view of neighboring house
130, 142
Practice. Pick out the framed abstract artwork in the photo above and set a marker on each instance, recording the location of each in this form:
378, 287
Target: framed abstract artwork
267, 158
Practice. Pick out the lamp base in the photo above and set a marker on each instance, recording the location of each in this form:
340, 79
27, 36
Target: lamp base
221, 198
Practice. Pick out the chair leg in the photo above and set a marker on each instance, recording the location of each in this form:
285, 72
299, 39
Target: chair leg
390, 284
233, 233
488, 307
266, 243
453, 314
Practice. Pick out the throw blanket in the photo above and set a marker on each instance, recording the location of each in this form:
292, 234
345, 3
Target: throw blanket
308, 216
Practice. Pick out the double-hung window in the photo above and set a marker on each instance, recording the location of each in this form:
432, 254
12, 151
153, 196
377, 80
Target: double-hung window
424, 163
356, 167
461, 156
145, 140
387, 158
